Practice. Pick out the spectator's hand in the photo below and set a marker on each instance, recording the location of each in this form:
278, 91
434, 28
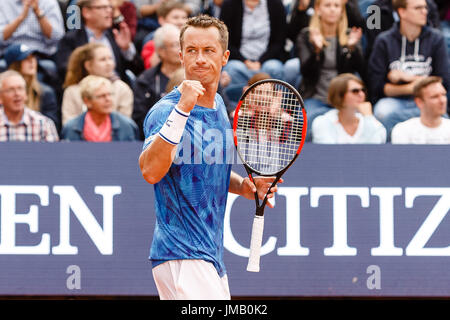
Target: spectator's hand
190, 90
316, 38
354, 37
34, 4
123, 36
397, 76
26, 7
253, 65
365, 108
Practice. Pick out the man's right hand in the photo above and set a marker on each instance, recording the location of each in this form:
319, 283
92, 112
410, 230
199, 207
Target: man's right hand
190, 90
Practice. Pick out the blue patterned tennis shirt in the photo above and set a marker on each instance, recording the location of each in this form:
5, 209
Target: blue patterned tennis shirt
192, 196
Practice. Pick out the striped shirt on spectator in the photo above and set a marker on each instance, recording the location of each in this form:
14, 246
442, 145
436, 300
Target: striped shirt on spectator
32, 128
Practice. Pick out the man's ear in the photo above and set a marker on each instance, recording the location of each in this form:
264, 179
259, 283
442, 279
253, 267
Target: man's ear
419, 103
225, 57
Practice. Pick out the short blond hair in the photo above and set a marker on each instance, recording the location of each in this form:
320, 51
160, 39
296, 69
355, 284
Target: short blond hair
90, 84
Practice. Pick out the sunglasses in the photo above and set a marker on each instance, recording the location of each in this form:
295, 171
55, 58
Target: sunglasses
357, 90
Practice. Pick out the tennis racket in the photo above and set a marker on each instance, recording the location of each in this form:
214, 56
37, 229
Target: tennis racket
269, 130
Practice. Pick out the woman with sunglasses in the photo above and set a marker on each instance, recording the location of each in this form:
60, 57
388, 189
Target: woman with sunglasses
351, 120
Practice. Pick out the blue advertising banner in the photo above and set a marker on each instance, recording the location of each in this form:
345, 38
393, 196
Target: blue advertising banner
349, 220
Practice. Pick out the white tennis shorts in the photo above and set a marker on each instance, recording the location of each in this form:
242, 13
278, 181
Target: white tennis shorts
190, 280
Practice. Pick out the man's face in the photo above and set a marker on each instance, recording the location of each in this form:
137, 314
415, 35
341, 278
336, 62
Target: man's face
101, 102
170, 52
202, 55
434, 100
13, 94
99, 15
415, 13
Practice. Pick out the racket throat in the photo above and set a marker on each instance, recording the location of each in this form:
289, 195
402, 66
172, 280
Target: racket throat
260, 210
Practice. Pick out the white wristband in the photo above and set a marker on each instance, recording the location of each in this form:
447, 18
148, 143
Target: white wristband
173, 128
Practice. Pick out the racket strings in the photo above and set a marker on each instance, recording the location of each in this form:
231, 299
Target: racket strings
269, 127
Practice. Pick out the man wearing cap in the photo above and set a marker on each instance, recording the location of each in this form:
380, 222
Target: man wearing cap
37, 23
17, 122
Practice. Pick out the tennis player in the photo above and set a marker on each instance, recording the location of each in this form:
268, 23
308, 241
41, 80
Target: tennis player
187, 248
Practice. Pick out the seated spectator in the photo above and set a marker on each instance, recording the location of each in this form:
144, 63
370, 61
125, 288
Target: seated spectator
352, 120
17, 121
148, 18
213, 8
236, 96
430, 127
99, 123
401, 57
170, 11
151, 84
40, 97
125, 10
300, 15
97, 21
93, 59
388, 17
256, 38
38, 24
327, 48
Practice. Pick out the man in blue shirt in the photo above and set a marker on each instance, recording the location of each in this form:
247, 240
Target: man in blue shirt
191, 195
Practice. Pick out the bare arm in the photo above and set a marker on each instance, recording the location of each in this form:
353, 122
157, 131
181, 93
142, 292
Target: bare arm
393, 88
12, 27
156, 159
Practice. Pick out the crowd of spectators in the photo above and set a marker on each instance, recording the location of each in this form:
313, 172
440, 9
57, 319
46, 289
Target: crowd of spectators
370, 71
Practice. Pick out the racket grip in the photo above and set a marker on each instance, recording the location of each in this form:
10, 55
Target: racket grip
255, 244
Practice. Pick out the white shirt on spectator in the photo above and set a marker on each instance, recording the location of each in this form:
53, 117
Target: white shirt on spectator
413, 131
327, 129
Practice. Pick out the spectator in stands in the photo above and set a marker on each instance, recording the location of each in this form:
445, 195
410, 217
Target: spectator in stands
170, 11
213, 8
327, 48
93, 59
352, 120
17, 121
40, 97
100, 123
403, 55
36, 23
300, 15
125, 10
256, 77
430, 127
148, 18
388, 16
257, 37
151, 84
97, 22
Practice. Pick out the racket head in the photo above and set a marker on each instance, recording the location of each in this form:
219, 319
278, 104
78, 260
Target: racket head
269, 126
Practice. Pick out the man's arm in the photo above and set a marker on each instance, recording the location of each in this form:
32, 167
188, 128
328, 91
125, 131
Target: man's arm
156, 159
12, 27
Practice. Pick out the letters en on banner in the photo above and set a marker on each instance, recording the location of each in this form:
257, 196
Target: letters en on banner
348, 221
